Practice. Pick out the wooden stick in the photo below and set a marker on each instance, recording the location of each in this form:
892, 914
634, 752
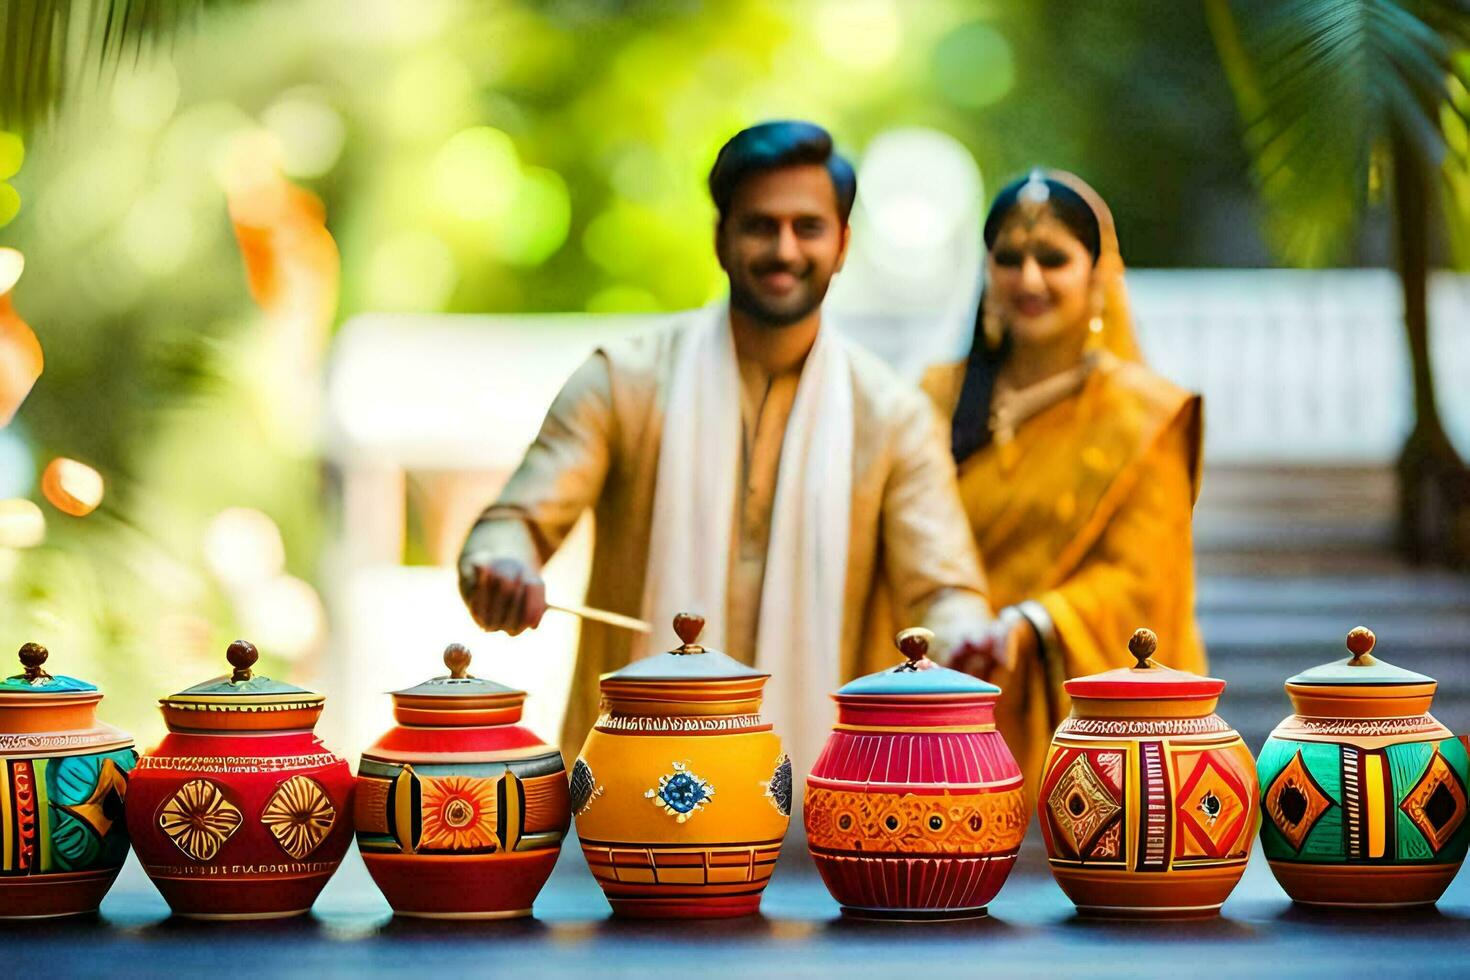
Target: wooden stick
603, 616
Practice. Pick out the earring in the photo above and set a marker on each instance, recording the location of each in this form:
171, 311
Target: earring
992, 326
1094, 340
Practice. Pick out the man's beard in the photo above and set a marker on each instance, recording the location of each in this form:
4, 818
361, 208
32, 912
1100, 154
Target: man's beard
747, 301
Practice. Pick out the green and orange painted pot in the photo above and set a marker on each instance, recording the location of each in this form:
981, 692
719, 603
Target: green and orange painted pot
1364, 791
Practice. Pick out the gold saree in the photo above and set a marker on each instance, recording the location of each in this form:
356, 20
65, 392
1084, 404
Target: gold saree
1092, 520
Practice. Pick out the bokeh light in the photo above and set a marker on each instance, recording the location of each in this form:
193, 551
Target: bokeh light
536, 224
9, 203
243, 547
310, 132
17, 464
973, 66
12, 154
284, 616
862, 34
72, 487
412, 270
22, 525
144, 99
477, 174
12, 264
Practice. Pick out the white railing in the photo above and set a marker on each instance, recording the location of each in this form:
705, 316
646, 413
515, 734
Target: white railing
1302, 367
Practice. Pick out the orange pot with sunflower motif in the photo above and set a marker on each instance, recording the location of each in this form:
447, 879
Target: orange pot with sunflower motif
460, 810
1148, 800
240, 812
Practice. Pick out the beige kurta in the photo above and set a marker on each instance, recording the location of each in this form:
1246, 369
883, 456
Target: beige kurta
599, 448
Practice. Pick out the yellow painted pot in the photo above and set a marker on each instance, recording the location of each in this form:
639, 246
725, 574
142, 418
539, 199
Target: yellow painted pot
682, 793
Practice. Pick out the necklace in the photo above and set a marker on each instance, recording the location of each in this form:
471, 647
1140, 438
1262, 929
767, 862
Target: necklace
1011, 407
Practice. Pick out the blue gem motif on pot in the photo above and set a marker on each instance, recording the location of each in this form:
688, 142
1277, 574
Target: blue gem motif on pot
681, 793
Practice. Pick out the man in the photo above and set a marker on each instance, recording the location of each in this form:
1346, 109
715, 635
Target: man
746, 464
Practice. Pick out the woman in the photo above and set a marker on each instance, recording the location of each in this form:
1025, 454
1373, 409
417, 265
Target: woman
1078, 466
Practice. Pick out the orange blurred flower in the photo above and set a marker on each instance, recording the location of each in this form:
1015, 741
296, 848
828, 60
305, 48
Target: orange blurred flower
21, 361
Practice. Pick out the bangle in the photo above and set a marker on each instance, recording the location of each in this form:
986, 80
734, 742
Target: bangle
1041, 623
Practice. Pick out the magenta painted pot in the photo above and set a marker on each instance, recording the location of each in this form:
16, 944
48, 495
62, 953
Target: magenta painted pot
914, 809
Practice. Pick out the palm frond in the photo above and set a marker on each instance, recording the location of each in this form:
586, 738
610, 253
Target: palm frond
1321, 85
53, 47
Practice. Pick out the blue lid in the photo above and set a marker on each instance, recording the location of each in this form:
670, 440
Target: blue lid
35, 680
687, 662
918, 674
1362, 668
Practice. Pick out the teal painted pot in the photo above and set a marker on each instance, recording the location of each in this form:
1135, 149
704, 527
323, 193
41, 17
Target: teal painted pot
63, 779
1363, 790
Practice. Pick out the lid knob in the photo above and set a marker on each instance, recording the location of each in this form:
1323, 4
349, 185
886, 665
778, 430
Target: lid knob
242, 656
688, 626
32, 656
1360, 642
457, 659
1142, 646
914, 643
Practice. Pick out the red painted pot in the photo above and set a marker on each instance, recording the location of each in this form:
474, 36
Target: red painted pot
241, 812
460, 811
914, 809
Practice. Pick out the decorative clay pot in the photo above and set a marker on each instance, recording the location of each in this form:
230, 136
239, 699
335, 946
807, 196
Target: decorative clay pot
460, 811
1363, 790
914, 809
63, 778
1148, 800
682, 793
241, 812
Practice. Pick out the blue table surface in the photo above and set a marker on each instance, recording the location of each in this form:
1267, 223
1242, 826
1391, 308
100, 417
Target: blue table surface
1032, 930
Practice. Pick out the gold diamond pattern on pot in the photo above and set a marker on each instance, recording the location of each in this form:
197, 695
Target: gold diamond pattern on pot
1436, 804
1081, 805
198, 819
1295, 802
299, 815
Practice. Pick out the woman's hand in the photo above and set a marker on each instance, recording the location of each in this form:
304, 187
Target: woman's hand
1007, 641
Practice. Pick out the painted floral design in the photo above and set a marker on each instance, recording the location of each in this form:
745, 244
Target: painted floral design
199, 819
778, 789
299, 815
681, 793
584, 787
458, 814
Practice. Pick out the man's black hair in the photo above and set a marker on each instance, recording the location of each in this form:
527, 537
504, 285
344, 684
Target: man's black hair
771, 145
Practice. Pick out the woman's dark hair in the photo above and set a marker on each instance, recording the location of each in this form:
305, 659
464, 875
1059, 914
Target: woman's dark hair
1069, 207
970, 424
770, 145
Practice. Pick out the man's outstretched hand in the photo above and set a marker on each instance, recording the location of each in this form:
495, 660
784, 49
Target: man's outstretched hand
502, 593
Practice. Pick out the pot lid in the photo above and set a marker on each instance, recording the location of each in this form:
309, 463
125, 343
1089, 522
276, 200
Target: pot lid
241, 682
1362, 668
688, 662
1146, 680
457, 683
35, 680
917, 674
